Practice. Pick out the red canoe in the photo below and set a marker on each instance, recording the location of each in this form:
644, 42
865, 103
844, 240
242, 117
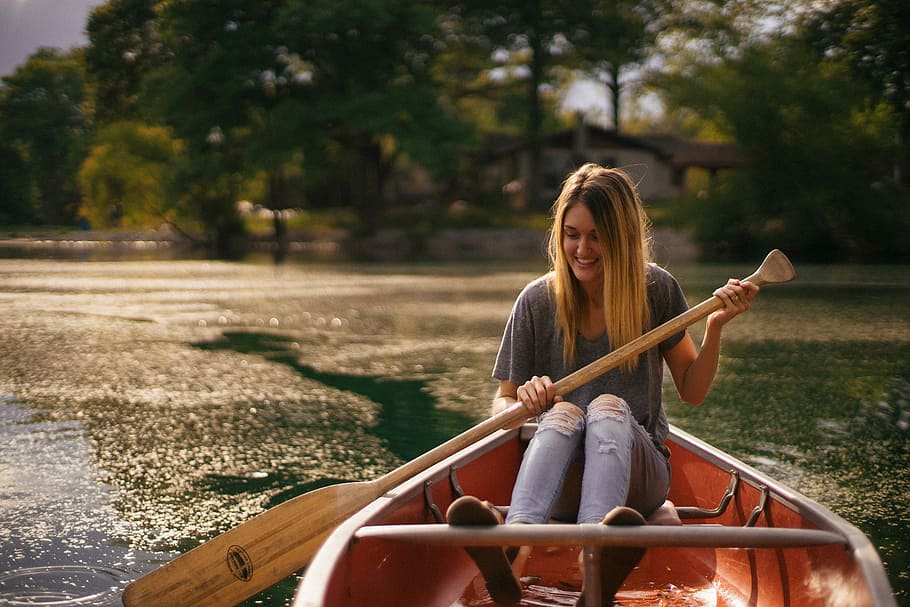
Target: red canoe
744, 540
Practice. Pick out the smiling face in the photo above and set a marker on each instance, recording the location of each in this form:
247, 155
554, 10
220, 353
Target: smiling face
582, 247
598, 249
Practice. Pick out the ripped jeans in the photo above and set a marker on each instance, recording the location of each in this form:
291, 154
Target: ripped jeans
621, 464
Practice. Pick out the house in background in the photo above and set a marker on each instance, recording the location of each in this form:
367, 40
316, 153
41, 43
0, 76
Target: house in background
661, 165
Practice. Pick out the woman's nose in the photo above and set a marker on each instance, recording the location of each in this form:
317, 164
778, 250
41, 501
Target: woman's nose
584, 245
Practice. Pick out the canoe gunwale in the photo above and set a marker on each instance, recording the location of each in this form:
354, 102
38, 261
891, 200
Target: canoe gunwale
311, 590
857, 543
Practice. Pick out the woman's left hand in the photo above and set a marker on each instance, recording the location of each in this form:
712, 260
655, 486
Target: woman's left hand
737, 297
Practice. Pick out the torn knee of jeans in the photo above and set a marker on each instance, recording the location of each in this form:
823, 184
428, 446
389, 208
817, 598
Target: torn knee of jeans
608, 406
607, 447
564, 418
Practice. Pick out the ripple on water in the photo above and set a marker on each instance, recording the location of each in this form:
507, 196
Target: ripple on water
62, 585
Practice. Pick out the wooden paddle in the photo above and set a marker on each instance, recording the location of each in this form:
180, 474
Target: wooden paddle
279, 542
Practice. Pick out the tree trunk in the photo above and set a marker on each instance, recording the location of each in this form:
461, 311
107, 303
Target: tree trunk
368, 186
534, 119
614, 94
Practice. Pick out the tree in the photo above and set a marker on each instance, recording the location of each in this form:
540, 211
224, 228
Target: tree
872, 37
800, 191
123, 48
127, 178
534, 31
612, 38
17, 199
219, 73
43, 119
479, 92
371, 97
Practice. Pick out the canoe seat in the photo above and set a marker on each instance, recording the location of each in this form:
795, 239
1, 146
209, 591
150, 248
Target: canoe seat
667, 514
567, 504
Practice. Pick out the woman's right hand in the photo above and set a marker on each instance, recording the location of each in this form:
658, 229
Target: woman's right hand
537, 395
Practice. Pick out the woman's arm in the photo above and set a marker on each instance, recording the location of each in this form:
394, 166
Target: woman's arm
506, 396
693, 372
537, 394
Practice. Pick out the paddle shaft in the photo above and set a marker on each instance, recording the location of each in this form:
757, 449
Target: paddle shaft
282, 540
565, 385
775, 269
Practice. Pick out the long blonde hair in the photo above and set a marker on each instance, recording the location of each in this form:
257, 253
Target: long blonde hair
623, 231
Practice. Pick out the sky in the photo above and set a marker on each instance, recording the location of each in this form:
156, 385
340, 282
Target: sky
27, 24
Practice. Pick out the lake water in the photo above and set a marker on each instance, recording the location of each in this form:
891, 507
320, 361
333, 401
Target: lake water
146, 406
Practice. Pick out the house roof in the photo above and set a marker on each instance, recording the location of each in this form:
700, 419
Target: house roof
677, 152
599, 138
686, 153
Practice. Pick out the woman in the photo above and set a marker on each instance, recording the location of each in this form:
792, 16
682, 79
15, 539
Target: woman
600, 294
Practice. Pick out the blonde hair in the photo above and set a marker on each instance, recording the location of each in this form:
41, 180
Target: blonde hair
623, 231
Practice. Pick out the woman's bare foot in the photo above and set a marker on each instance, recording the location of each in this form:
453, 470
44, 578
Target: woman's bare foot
616, 562
502, 583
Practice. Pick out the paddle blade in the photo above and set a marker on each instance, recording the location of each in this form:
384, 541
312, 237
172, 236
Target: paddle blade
253, 556
775, 269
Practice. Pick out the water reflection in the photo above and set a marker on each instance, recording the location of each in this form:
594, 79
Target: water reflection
154, 404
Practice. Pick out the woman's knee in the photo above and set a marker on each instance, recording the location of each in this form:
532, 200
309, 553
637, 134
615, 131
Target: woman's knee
608, 406
564, 417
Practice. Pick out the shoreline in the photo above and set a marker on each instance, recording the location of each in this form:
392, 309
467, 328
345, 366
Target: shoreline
385, 245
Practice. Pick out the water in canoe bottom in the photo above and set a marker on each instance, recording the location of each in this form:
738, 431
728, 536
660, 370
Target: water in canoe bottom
552, 581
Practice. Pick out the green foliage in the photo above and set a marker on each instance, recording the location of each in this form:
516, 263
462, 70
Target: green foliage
372, 95
528, 35
123, 48
219, 78
221, 68
43, 119
871, 38
816, 148
612, 39
317, 103
17, 204
127, 178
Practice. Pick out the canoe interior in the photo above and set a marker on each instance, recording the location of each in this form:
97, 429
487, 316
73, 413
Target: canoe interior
377, 572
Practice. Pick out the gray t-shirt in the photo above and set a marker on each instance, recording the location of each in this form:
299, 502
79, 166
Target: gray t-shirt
531, 345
